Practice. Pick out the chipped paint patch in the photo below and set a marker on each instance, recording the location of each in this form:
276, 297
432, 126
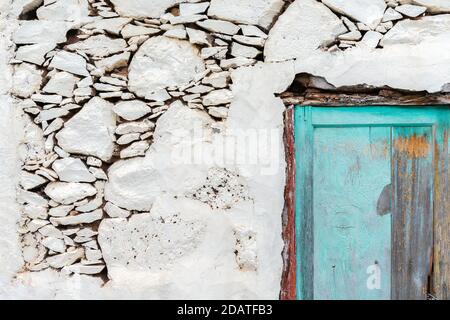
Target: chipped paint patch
413, 146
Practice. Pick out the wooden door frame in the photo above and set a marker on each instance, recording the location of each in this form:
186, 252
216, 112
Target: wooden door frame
289, 277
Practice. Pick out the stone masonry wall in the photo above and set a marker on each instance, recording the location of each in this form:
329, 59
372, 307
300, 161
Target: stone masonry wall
132, 120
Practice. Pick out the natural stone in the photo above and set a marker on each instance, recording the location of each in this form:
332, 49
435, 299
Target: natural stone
61, 83
91, 131
88, 217
255, 12
219, 26
72, 170
132, 109
99, 46
131, 30
65, 259
37, 31
369, 12
142, 8
69, 192
161, 62
222, 96
34, 53
70, 62
305, 26
411, 10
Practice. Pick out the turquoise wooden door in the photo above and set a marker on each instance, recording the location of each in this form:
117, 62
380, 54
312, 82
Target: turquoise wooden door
366, 180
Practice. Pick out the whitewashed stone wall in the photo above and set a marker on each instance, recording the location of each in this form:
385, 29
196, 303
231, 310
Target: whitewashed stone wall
142, 152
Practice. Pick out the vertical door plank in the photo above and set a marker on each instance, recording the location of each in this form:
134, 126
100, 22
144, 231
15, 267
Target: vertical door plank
303, 203
441, 264
412, 237
352, 235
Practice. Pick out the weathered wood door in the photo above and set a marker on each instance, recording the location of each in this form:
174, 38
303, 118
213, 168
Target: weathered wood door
372, 202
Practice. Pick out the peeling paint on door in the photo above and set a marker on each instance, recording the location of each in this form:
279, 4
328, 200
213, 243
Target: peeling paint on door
372, 200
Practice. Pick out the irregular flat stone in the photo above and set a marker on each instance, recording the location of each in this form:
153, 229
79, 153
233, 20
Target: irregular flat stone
222, 96
218, 112
113, 62
99, 46
251, 41
30, 181
60, 211
49, 99
132, 109
34, 53
371, 39
36, 31
115, 212
369, 12
252, 31
70, 62
135, 127
91, 131
255, 12
391, 15
62, 83
51, 231
217, 80
187, 19
219, 26
113, 25
416, 31
239, 50
54, 244
135, 149
76, 11
305, 26
88, 217
72, 170
236, 62
69, 192
197, 36
433, 6
163, 62
85, 269
65, 259
93, 255
131, 30
143, 8
188, 9
410, 10
27, 79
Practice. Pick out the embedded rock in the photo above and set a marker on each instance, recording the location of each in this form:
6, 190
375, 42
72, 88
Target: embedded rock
76, 11
369, 12
27, 80
36, 31
135, 184
67, 193
132, 109
305, 26
410, 10
88, 217
433, 6
65, 259
412, 32
99, 46
219, 26
72, 170
163, 62
62, 83
255, 12
143, 8
34, 53
91, 131
70, 62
